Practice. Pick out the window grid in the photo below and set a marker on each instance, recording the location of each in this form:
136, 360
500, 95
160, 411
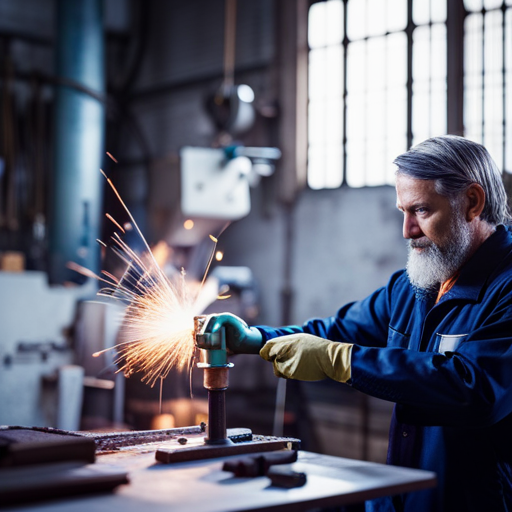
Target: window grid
355, 133
325, 109
488, 77
429, 73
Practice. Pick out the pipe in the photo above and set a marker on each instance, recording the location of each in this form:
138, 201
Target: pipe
78, 140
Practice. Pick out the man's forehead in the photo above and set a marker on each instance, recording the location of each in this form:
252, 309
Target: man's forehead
415, 191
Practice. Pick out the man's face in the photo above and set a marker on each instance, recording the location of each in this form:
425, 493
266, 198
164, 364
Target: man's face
438, 233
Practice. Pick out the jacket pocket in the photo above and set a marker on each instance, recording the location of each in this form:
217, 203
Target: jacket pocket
397, 339
448, 342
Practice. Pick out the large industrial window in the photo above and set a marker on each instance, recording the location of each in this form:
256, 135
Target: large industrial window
429, 70
488, 77
377, 82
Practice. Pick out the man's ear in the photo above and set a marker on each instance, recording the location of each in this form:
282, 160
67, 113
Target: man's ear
476, 201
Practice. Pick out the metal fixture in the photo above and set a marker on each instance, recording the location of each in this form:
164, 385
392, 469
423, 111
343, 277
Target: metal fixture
216, 378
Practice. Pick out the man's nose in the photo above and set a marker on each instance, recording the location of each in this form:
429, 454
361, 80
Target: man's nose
411, 229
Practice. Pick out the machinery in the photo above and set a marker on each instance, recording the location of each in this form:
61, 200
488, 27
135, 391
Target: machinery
219, 441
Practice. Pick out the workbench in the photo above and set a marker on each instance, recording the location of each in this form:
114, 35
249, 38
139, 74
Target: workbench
202, 486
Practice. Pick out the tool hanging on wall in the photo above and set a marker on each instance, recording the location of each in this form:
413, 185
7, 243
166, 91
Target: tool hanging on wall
229, 43
231, 105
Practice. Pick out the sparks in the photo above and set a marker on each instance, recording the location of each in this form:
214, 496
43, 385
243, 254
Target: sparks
157, 333
114, 221
111, 157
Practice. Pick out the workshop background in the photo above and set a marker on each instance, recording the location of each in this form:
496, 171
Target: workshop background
281, 117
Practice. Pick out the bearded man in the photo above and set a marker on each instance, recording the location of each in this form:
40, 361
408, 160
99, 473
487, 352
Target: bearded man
436, 340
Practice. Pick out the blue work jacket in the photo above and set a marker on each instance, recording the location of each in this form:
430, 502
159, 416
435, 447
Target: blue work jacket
448, 368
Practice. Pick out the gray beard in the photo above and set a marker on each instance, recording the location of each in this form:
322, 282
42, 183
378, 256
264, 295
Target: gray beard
437, 263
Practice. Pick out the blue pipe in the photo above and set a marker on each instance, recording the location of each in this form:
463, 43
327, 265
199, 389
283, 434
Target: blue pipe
78, 140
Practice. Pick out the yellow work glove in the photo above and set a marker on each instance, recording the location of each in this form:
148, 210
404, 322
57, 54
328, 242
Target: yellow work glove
307, 357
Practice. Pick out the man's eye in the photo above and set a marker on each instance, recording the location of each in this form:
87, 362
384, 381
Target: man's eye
421, 210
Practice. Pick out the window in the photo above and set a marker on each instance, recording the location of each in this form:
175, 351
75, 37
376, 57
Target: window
359, 121
488, 77
376, 101
429, 86
325, 110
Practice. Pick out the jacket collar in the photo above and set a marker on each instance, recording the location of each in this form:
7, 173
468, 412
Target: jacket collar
476, 272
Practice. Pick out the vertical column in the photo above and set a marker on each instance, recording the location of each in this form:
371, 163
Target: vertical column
78, 138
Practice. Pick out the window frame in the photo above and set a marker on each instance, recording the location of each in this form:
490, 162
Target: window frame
455, 16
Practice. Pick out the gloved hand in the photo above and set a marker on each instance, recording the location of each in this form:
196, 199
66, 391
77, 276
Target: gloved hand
240, 338
307, 357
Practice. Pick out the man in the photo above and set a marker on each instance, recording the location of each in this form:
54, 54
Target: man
436, 340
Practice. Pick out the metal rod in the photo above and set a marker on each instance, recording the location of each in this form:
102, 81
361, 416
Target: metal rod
216, 417
216, 382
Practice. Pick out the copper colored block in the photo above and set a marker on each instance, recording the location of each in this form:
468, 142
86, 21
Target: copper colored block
216, 378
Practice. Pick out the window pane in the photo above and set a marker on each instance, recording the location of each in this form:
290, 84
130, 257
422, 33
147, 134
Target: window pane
421, 12
396, 15
325, 23
316, 21
438, 110
356, 19
316, 124
326, 72
334, 71
473, 86
473, 5
325, 89
334, 121
376, 17
356, 161
421, 54
492, 4
493, 86
397, 59
334, 22
376, 63
429, 82
426, 11
334, 163
438, 11
316, 72
376, 112
316, 167
484, 102
376, 96
438, 55
356, 73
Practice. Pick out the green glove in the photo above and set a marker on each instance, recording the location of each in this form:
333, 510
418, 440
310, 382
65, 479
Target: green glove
240, 338
307, 357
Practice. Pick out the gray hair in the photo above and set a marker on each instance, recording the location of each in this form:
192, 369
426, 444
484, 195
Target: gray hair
455, 163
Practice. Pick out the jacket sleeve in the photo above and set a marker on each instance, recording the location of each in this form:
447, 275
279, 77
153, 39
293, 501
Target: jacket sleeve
471, 386
364, 322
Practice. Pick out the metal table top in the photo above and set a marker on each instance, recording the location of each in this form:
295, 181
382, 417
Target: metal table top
203, 486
